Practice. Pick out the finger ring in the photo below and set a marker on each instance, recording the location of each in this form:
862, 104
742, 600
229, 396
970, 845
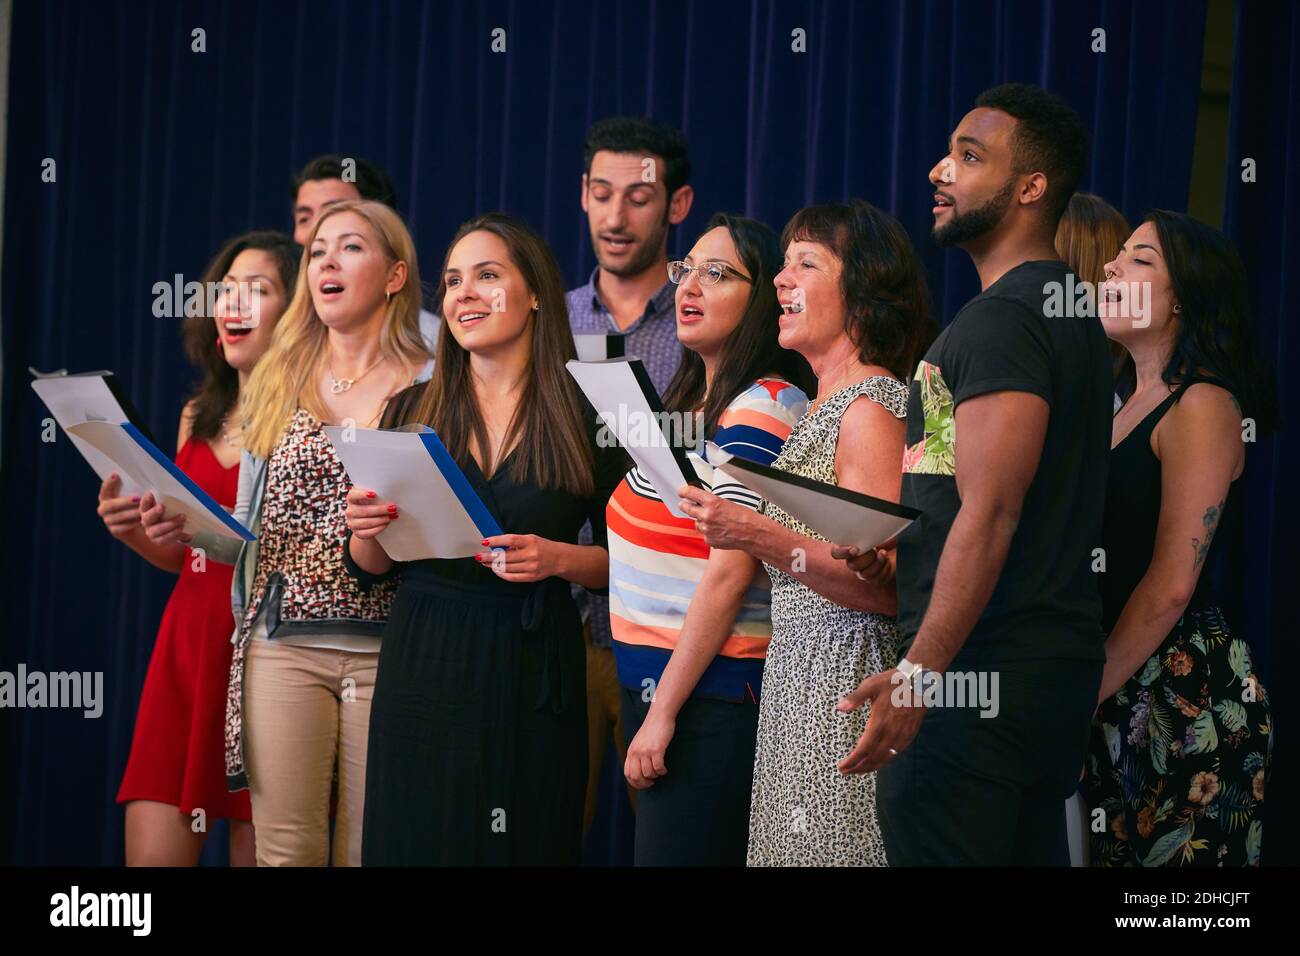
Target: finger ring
893, 751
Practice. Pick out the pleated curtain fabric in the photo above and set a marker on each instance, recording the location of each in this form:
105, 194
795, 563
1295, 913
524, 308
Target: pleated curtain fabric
167, 140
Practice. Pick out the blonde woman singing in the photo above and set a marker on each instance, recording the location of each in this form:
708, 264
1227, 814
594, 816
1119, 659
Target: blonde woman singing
308, 634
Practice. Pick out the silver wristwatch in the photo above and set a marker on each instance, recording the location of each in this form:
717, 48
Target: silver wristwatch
914, 673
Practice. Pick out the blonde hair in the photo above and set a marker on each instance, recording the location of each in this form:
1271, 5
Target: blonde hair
1089, 236
284, 380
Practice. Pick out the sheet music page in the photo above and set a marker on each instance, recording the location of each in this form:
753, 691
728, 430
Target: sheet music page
620, 399
398, 467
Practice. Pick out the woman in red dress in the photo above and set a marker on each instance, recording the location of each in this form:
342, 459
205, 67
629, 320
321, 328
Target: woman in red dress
174, 787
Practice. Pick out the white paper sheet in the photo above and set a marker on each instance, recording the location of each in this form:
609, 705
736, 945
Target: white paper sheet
629, 406
131, 456
597, 346
841, 516
396, 465
74, 399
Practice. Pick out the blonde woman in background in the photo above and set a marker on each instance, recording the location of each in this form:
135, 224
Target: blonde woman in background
1088, 236
308, 635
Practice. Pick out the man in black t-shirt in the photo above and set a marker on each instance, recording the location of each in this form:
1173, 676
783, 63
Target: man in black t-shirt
1008, 435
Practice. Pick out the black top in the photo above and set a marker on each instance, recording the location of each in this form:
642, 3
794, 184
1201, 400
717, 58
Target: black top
1045, 603
525, 508
1132, 516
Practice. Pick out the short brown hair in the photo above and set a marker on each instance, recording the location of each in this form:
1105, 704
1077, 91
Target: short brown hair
886, 300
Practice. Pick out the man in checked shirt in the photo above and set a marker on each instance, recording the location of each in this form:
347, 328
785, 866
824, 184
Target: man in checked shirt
634, 188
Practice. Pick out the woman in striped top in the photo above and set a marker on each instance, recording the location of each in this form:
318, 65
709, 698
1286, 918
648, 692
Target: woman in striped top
691, 624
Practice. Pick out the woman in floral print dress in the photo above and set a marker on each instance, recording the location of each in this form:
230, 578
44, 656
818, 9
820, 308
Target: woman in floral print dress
1182, 740
856, 307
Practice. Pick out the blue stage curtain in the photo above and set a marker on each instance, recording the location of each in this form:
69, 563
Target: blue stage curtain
1262, 216
162, 152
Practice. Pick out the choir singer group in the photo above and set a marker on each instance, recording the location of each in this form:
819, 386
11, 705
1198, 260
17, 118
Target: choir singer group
776, 698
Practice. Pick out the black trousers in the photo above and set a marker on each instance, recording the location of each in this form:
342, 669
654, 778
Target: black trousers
698, 813
990, 791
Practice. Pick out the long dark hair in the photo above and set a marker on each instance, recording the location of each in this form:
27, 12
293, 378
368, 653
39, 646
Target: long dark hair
1215, 328
216, 391
553, 446
886, 300
750, 352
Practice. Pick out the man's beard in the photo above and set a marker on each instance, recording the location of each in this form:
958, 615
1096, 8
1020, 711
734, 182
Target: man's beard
983, 219
645, 256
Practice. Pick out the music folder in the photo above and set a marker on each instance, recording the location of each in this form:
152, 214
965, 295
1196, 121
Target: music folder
839, 515
623, 396
441, 514
93, 411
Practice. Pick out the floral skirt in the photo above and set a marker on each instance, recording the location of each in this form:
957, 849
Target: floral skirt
1179, 757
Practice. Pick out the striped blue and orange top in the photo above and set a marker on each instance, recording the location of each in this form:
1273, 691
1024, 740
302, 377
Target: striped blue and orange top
656, 559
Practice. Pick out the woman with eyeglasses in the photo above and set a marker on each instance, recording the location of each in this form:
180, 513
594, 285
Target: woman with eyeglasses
856, 307
691, 624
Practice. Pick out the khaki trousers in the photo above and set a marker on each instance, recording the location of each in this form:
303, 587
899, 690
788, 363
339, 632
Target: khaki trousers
306, 712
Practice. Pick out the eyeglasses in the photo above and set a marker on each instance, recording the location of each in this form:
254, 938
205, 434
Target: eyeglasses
709, 273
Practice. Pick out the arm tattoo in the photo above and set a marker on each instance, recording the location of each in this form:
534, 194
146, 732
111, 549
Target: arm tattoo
1211, 521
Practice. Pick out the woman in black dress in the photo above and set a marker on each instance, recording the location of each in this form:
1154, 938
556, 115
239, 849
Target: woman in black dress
1182, 740
478, 727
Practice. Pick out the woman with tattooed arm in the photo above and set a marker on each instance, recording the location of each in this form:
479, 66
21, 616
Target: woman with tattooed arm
1182, 739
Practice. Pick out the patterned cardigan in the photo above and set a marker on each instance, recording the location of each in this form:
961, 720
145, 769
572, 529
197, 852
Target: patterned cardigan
299, 585
244, 556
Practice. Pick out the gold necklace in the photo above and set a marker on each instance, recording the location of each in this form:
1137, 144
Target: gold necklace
340, 385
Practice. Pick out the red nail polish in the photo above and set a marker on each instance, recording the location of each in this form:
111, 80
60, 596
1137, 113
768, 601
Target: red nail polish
478, 558
484, 542
135, 499
393, 516
392, 509
370, 494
